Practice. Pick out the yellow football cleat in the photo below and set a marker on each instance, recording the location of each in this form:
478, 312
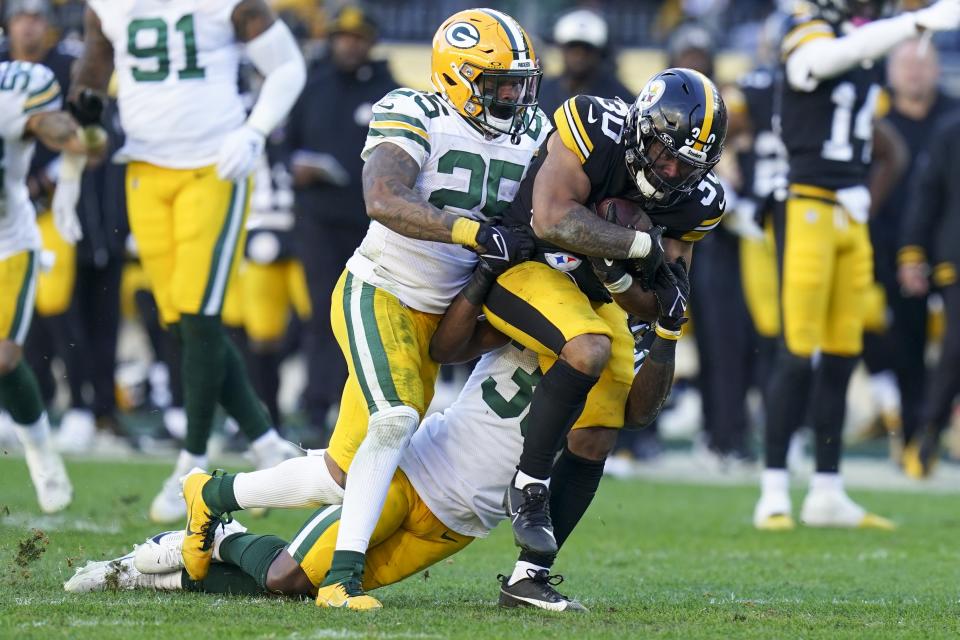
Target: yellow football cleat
338, 596
873, 521
197, 548
776, 522
914, 464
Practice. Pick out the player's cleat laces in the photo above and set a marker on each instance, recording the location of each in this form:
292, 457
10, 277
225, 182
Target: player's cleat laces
529, 512
536, 590
202, 523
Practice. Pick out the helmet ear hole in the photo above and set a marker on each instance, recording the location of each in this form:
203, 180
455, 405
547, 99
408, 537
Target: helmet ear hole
450, 81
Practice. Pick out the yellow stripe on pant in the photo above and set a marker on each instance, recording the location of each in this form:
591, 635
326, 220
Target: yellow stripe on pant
189, 228
386, 345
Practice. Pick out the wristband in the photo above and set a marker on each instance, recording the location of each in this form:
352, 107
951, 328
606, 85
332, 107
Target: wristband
621, 285
476, 290
667, 334
465, 232
640, 246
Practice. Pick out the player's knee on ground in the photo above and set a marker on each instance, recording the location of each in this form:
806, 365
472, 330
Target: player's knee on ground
588, 353
10, 355
592, 443
287, 578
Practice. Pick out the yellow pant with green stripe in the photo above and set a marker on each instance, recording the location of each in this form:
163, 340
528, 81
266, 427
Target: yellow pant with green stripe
386, 345
189, 229
18, 290
827, 274
542, 309
408, 538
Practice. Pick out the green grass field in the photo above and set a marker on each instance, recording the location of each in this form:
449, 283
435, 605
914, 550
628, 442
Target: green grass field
650, 560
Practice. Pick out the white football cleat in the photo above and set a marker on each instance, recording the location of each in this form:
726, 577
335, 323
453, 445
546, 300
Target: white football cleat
773, 512
163, 552
168, 505
119, 574
78, 430
834, 508
54, 491
274, 451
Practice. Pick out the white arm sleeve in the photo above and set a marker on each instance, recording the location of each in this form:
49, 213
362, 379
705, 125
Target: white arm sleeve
276, 56
825, 58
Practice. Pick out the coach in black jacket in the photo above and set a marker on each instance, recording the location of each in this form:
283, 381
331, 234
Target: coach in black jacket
931, 237
325, 134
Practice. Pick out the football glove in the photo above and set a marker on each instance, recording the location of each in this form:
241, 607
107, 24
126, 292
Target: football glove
646, 268
500, 247
672, 289
239, 153
612, 273
87, 108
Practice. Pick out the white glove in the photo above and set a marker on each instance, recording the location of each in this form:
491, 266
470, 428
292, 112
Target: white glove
64, 207
239, 153
942, 16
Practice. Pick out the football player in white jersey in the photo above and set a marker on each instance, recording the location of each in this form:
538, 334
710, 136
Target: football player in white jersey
190, 150
447, 492
439, 168
30, 102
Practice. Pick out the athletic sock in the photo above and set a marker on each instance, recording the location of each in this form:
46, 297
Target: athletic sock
787, 399
253, 553
521, 571
20, 395
302, 482
828, 408
556, 404
204, 358
34, 436
370, 474
575, 482
345, 565
774, 481
238, 396
224, 579
826, 482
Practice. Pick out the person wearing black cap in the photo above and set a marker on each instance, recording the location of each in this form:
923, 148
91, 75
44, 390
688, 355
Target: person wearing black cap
324, 135
584, 38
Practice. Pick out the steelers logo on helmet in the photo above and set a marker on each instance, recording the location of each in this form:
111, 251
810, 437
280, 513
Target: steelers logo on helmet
484, 66
462, 35
674, 135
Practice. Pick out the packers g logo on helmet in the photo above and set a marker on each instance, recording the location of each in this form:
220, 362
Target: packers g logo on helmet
484, 66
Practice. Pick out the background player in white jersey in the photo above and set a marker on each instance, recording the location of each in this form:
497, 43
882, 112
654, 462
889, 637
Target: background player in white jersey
439, 168
446, 493
30, 104
190, 152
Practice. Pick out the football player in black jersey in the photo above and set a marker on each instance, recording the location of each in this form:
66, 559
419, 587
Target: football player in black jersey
827, 101
658, 153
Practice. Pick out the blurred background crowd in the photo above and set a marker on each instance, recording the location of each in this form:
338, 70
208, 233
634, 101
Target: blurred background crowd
109, 371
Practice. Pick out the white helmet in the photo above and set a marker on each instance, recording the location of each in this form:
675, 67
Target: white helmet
582, 25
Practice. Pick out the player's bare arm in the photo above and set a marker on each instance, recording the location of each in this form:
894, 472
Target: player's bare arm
891, 157
251, 18
652, 384
95, 66
461, 335
559, 214
388, 179
57, 130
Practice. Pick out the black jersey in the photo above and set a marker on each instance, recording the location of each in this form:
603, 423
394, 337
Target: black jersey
763, 166
592, 128
828, 132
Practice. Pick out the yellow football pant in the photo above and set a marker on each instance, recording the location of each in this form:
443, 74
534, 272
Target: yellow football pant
18, 288
270, 291
386, 345
55, 285
758, 272
827, 273
189, 226
408, 538
542, 309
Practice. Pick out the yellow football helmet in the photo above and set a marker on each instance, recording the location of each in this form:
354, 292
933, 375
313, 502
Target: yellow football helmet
484, 66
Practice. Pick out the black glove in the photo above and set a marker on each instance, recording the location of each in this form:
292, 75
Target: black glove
87, 108
607, 270
501, 247
646, 268
672, 290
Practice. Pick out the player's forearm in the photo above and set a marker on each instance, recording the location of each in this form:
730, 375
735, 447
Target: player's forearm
652, 384
57, 130
276, 55
95, 66
890, 161
461, 336
637, 302
580, 230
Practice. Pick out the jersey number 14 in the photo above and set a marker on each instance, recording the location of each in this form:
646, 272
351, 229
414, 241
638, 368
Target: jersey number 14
839, 147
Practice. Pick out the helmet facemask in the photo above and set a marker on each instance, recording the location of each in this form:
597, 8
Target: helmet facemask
503, 102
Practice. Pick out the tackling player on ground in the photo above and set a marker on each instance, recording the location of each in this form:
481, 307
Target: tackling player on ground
827, 104
191, 150
30, 102
440, 167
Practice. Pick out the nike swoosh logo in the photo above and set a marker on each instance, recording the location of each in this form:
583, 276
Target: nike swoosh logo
386, 105
444, 536
549, 533
608, 262
590, 117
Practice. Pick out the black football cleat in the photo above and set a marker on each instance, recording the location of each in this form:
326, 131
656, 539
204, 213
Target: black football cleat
537, 590
529, 513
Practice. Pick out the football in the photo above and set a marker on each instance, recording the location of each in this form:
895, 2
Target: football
625, 213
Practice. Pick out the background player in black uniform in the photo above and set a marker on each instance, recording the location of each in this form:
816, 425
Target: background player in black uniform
827, 101
658, 153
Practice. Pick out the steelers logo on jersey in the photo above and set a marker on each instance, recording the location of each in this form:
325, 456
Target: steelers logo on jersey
462, 35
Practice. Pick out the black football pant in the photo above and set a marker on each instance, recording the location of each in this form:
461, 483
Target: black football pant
945, 379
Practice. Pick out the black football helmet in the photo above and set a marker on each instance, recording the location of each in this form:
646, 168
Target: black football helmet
839, 11
674, 135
